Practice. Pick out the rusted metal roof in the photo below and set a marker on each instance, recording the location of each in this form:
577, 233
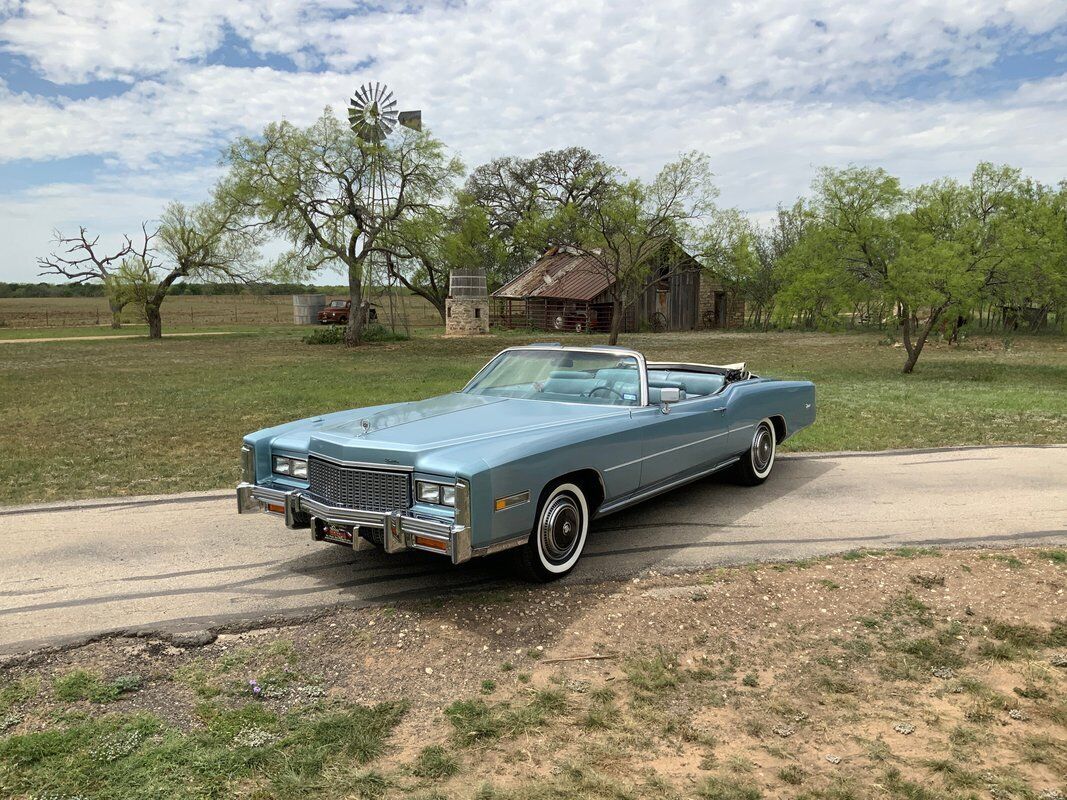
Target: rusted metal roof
562, 274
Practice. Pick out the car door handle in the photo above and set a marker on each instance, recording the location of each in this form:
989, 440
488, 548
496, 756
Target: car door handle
719, 410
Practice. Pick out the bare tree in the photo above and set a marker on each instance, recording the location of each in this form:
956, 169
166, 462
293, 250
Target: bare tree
79, 260
208, 242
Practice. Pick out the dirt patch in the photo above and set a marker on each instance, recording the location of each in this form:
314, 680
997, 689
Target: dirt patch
909, 673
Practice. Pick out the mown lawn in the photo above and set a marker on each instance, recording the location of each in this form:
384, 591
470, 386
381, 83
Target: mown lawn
84, 419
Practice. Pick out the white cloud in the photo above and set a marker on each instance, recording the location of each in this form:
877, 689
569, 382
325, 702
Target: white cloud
770, 89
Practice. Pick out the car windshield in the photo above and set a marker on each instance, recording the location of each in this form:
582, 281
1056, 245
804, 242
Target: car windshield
563, 376
337, 304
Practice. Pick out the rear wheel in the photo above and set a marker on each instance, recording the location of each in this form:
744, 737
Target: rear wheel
756, 463
558, 538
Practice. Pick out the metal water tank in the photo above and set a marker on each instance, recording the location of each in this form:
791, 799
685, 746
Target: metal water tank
306, 308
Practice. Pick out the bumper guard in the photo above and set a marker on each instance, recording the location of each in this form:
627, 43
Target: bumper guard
401, 528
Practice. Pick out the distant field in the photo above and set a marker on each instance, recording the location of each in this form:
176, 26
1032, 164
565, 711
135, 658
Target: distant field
133, 416
190, 311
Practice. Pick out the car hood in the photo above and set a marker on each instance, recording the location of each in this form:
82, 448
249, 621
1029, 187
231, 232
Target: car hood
397, 434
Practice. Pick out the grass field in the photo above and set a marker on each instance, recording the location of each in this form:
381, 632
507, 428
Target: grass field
97, 418
188, 311
908, 674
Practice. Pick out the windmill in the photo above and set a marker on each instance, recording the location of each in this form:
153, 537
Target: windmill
372, 115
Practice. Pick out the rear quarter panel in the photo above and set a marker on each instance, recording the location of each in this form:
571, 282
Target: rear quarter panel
751, 401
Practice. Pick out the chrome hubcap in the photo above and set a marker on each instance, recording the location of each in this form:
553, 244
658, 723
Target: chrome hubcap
560, 524
762, 449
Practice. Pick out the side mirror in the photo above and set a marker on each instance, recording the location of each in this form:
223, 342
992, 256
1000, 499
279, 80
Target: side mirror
668, 396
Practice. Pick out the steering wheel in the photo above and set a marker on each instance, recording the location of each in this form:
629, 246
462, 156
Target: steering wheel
614, 391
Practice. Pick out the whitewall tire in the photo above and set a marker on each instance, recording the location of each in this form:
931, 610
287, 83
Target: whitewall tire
758, 461
559, 534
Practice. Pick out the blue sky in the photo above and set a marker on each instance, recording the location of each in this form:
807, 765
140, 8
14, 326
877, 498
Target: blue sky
107, 113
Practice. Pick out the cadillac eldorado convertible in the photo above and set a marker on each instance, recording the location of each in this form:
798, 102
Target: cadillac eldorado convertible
541, 441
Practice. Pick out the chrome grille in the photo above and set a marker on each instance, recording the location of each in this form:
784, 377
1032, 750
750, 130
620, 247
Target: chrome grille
358, 487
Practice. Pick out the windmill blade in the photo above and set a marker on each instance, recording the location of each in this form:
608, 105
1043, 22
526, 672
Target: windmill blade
391, 104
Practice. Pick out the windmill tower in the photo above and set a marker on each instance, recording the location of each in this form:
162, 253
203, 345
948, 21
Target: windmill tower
372, 115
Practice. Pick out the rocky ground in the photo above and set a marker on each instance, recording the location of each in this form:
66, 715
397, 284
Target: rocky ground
910, 673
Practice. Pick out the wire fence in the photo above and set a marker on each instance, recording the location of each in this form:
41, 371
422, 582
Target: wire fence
185, 311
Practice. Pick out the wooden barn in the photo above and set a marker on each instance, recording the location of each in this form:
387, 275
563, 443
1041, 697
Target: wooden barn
567, 290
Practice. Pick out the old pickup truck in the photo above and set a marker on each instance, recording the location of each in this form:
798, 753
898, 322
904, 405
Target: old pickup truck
540, 442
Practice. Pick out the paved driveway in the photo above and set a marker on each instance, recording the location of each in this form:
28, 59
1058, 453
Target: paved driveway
189, 561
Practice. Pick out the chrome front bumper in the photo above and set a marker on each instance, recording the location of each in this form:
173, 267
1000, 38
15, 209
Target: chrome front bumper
402, 529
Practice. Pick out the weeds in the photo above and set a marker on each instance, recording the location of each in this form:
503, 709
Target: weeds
654, 674
722, 788
82, 685
435, 762
927, 580
475, 721
135, 753
18, 691
1057, 556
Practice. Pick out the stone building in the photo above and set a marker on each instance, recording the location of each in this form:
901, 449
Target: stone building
467, 304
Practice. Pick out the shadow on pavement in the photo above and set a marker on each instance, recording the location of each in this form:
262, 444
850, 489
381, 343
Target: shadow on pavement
619, 546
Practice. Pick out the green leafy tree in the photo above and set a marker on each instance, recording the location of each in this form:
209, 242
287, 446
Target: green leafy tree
422, 250
771, 244
523, 199
624, 230
313, 187
959, 241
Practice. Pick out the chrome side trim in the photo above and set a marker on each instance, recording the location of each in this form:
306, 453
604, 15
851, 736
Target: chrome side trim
364, 464
498, 547
670, 450
618, 505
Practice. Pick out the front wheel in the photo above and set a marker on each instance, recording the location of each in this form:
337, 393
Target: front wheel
558, 537
756, 463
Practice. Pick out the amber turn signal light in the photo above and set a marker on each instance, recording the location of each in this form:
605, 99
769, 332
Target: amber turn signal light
435, 544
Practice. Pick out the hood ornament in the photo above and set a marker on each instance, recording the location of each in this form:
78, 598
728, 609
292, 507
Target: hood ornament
365, 425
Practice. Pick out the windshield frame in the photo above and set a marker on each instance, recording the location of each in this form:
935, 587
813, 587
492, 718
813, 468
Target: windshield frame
642, 368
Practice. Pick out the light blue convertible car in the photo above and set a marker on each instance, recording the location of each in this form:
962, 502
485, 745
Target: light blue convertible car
542, 440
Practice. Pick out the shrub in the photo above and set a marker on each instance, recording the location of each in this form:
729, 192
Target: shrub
335, 334
328, 334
